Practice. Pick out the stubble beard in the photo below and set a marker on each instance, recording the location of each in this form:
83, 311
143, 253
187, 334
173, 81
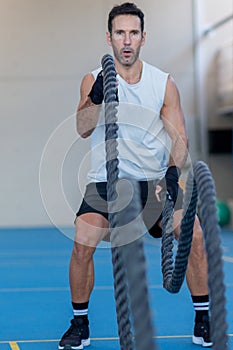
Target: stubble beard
124, 61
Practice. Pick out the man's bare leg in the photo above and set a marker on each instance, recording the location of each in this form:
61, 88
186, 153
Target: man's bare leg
197, 281
90, 229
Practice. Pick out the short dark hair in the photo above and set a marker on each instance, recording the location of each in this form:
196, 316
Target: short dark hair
127, 8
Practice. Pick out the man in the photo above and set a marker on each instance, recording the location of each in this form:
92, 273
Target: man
153, 92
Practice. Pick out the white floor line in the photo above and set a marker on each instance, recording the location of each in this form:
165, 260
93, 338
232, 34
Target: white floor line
179, 336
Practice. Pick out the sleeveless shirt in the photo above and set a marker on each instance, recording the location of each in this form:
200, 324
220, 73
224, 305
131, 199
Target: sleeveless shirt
143, 143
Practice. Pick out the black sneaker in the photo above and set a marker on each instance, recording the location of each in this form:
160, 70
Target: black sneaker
202, 334
77, 336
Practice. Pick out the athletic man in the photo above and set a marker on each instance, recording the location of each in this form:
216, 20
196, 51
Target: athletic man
152, 97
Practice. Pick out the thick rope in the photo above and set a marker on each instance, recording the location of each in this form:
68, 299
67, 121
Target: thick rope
173, 277
211, 229
111, 144
199, 185
139, 295
135, 265
129, 268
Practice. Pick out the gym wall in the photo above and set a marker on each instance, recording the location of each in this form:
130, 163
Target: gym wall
215, 76
47, 46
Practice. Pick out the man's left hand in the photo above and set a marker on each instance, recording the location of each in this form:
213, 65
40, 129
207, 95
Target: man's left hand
172, 177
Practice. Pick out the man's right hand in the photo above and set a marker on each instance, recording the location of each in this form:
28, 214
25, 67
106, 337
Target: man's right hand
96, 94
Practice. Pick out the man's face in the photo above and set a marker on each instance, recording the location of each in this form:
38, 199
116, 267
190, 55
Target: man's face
126, 39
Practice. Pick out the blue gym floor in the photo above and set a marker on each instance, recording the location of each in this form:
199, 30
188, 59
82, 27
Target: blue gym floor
35, 304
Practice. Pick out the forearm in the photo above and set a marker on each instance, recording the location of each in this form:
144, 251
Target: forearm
91, 92
87, 117
178, 156
179, 152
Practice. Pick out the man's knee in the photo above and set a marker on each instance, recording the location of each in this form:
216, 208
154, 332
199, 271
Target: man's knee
82, 253
90, 229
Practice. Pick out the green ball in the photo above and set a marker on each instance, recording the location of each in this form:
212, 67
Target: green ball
224, 213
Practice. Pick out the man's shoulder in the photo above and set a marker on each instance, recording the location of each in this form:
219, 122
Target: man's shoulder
152, 68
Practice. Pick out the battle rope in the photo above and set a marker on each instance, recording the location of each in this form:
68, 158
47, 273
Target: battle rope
111, 134
173, 277
211, 229
199, 186
130, 284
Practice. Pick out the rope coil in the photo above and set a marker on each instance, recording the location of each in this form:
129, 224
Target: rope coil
199, 186
173, 277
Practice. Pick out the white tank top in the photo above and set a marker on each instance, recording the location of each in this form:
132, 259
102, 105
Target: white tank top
143, 143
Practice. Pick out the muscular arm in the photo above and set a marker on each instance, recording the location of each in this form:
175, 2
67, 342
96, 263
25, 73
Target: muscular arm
173, 119
87, 111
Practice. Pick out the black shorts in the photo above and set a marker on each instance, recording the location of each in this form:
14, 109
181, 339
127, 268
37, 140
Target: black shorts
95, 201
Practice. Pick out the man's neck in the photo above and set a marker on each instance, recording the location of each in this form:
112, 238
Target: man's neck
132, 74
